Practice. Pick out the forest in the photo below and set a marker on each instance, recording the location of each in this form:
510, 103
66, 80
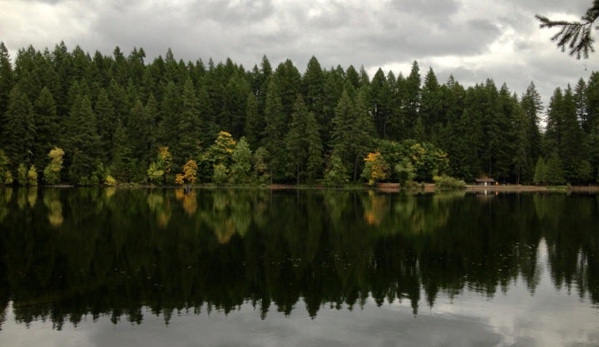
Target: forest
69, 117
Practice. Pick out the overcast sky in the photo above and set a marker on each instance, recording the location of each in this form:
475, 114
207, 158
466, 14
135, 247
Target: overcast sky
471, 39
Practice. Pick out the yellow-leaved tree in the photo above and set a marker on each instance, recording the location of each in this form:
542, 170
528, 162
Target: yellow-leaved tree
375, 168
52, 171
161, 166
190, 172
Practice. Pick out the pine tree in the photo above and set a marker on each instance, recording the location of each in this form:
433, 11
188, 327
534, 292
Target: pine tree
107, 122
82, 143
141, 136
188, 128
540, 176
122, 164
314, 163
6, 81
295, 140
591, 112
275, 130
254, 123
170, 111
235, 97
19, 133
531, 103
46, 126
333, 86
353, 130
413, 97
381, 97
313, 86
521, 161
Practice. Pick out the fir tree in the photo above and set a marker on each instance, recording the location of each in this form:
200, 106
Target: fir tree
19, 133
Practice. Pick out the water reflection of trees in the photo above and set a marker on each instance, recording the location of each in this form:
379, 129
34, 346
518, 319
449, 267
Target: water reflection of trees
92, 252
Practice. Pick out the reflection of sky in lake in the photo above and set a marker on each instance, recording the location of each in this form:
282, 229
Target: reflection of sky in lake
516, 318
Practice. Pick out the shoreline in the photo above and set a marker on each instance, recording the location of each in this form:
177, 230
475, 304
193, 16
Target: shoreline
383, 187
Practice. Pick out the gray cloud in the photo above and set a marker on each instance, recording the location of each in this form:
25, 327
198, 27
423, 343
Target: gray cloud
470, 39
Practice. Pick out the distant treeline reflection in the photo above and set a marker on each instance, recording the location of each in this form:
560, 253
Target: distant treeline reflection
68, 253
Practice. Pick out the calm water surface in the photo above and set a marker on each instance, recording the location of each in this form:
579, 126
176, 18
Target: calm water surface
108, 267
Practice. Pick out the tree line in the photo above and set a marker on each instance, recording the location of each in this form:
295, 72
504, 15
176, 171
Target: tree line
70, 117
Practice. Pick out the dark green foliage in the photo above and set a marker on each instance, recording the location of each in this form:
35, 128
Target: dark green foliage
254, 123
449, 183
138, 106
19, 132
46, 127
275, 130
303, 144
187, 144
6, 79
353, 130
82, 143
574, 35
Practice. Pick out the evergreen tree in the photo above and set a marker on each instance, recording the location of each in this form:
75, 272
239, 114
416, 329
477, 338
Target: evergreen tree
107, 121
531, 103
591, 97
62, 63
170, 111
188, 128
353, 130
554, 173
413, 98
275, 130
289, 83
295, 140
581, 103
6, 81
82, 143
141, 136
254, 123
313, 86
573, 150
381, 97
431, 107
521, 160
46, 126
540, 176
122, 164
333, 86
19, 133
314, 163
235, 97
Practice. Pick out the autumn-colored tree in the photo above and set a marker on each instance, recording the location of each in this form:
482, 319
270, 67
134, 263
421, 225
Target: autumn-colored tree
190, 171
219, 153
4, 169
52, 171
375, 168
32, 176
22, 175
260, 161
162, 166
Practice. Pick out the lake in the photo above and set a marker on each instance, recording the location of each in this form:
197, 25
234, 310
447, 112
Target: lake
241, 267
